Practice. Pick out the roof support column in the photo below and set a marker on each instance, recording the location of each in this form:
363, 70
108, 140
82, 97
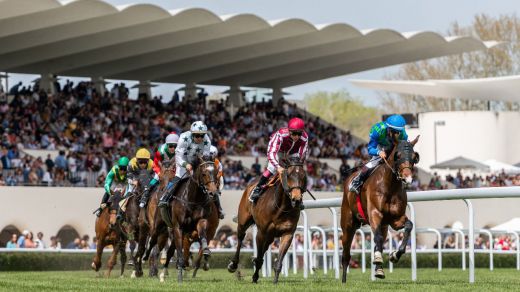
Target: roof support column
277, 95
236, 96
190, 92
47, 83
144, 87
99, 84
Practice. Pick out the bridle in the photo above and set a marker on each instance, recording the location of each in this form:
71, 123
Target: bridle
407, 150
212, 178
284, 179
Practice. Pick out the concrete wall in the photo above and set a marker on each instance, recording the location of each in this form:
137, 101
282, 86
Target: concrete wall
49, 209
478, 135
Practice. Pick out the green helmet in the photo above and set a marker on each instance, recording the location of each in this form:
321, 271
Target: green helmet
123, 161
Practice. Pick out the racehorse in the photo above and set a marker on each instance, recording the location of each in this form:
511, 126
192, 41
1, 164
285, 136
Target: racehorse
151, 224
109, 232
190, 238
275, 214
190, 209
383, 199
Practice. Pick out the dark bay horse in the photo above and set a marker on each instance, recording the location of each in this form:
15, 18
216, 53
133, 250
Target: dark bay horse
192, 205
190, 238
150, 221
110, 232
383, 200
275, 214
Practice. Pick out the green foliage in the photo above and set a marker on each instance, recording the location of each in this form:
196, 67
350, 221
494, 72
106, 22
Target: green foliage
501, 60
343, 110
17, 261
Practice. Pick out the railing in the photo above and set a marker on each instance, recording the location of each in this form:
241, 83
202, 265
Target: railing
438, 195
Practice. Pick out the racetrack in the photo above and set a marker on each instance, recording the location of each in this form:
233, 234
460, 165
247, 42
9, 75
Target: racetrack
221, 281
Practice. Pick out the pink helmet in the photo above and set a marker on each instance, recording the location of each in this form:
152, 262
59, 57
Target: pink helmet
296, 124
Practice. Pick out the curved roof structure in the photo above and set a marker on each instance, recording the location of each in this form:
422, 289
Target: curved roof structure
504, 88
145, 42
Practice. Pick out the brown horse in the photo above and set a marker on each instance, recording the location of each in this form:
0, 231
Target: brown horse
190, 209
383, 199
275, 214
190, 238
109, 232
147, 223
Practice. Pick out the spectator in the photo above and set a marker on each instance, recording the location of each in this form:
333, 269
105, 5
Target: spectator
13, 243
21, 239
76, 244
40, 244
55, 243
29, 241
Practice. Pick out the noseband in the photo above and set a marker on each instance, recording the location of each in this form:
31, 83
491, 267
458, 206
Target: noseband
285, 185
202, 186
406, 150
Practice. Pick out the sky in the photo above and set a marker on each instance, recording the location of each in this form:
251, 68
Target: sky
400, 15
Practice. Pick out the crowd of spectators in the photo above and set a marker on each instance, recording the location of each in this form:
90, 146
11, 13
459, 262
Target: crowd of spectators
91, 131
26, 239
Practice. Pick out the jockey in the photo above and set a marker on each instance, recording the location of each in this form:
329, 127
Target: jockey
291, 141
141, 161
192, 143
118, 172
382, 136
213, 152
166, 152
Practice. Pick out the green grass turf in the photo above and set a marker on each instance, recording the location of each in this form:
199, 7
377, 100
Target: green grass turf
222, 281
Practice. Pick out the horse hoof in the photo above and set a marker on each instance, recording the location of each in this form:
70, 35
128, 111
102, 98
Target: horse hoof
133, 276
205, 267
232, 267
122, 276
161, 278
93, 266
380, 274
393, 257
378, 258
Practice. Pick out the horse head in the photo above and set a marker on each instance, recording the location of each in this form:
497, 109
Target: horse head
404, 159
294, 179
167, 172
206, 175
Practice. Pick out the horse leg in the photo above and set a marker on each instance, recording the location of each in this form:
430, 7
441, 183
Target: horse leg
408, 227
243, 224
163, 241
112, 261
122, 247
196, 263
202, 227
177, 239
138, 260
375, 223
100, 245
186, 244
259, 260
285, 242
348, 227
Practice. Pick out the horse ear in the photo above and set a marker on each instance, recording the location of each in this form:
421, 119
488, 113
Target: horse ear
414, 141
416, 158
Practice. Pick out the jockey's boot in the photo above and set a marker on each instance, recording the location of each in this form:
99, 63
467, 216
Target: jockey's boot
103, 205
221, 213
164, 201
257, 191
146, 196
357, 182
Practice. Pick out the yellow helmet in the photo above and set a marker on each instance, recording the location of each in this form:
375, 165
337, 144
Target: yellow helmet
142, 154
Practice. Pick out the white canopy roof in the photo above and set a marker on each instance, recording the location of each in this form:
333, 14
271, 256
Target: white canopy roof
498, 166
511, 225
91, 38
496, 88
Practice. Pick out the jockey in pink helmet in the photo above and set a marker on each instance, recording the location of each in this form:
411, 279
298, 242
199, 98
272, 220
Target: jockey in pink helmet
290, 141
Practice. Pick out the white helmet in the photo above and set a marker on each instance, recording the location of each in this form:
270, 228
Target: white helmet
199, 127
213, 151
172, 138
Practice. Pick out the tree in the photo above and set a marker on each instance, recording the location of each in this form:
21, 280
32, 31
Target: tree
500, 60
343, 110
